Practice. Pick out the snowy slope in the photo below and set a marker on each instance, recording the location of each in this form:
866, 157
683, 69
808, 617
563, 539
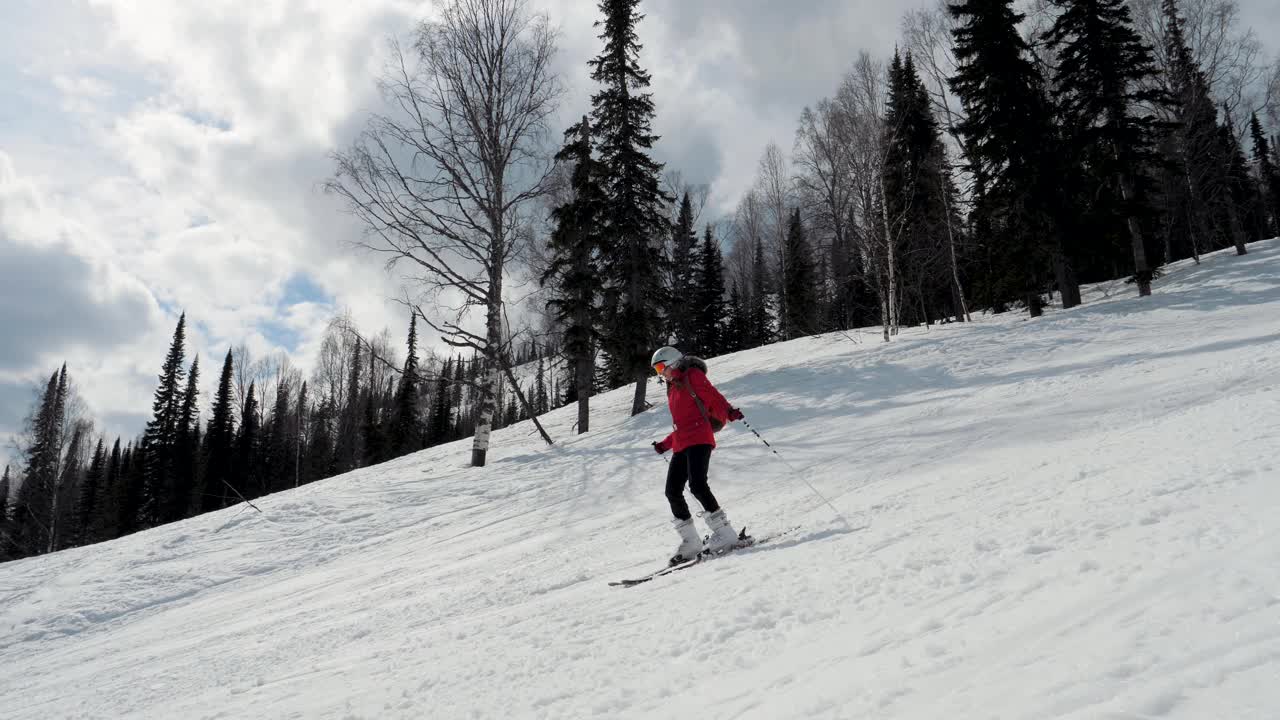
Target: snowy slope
1071, 517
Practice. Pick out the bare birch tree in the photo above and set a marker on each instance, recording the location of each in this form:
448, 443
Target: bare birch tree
441, 184
862, 98
1229, 54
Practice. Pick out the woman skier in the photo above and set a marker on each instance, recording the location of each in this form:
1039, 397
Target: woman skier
698, 410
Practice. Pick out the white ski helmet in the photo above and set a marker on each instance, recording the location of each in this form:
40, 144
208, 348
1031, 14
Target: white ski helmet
665, 355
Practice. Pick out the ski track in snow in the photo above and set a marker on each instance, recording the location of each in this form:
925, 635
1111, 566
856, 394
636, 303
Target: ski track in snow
1068, 517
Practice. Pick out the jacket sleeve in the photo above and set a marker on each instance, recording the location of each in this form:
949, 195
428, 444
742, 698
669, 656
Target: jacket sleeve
717, 406
666, 442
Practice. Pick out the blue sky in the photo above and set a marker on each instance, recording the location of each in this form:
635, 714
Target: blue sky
159, 157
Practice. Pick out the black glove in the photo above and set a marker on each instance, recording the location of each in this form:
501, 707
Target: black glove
660, 448
735, 414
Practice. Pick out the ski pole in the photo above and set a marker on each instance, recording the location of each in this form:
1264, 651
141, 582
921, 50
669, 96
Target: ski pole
777, 454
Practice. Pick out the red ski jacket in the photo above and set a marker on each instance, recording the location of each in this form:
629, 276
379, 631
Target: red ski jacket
691, 427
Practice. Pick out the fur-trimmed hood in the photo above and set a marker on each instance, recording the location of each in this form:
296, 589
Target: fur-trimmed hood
693, 361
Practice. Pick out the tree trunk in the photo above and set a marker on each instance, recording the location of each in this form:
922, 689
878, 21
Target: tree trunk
1141, 270
1068, 286
892, 291
1237, 231
583, 373
637, 402
961, 305
524, 401
1195, 227
489, 387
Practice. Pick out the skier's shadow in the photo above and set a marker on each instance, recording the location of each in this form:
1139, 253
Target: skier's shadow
791, 542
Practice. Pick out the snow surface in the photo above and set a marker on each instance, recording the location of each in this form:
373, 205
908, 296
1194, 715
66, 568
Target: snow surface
1068, 517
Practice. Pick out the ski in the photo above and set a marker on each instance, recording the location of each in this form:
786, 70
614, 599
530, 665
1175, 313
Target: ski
744, 541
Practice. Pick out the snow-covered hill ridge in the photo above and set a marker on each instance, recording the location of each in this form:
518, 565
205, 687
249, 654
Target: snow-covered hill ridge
1068, 517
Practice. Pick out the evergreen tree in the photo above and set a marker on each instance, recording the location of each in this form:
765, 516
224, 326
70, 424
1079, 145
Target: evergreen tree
347, 450
103, 520
686, 276
318, 460
91, 493
576, 245
707, 306
1101, 90
440, 422
160, 440
219, 446
299, 440
760, 319
511, 415
799, 282
541, 396
1268, 174
66, 520
1197, 145
918, 193
634, 221
736, 329
182, 502
1010, 145
35, 507
247, 468
133, 478
405, 435
373, 431
1243, 191
106, 526
8, 547
278, 448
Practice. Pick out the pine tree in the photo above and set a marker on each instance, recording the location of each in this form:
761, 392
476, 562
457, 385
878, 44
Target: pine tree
372, 429
735, 330
219, 446
440, 422
1010, 145
799, 282
160, 440
686, 275
66, 527
1243, 190
707, 308
1268, 174
1101, 90
576, 245
87, 505
919, 196
109, 507
405, 435
133, 474
302, 450
182, 501
760, 320
511, 415
247, 469
278, 448
1197, 144
347, 450
8, 548
634, 221
35, 507
541, 396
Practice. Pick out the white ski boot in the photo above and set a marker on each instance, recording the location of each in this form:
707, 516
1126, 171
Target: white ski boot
690, 543
723, 537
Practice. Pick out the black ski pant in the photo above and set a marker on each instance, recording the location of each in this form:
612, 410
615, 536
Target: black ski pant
690, 466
